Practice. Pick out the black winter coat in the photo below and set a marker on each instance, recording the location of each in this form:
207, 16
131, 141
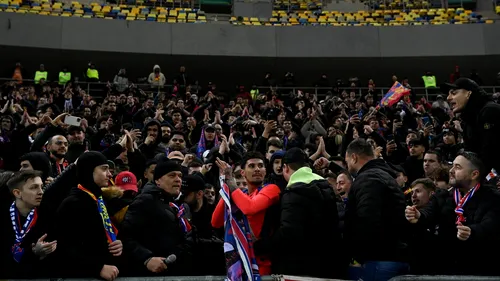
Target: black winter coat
82, 246
308, 241
30, 265
482, 213
151, 229
375, 224
481, 125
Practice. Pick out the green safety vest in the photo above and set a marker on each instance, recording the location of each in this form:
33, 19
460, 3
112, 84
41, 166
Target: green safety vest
254, 93
64, 77
92, 73
429, 81
40, 75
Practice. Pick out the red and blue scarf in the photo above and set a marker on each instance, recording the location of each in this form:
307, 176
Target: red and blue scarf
241, 264
181, 215
202, 146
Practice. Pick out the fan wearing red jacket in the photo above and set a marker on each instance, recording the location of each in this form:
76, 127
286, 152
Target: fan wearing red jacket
253, 202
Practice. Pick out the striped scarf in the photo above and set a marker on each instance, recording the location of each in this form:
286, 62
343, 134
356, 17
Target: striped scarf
181, 215
241, 264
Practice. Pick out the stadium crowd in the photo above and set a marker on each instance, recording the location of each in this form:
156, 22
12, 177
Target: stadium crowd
183, 181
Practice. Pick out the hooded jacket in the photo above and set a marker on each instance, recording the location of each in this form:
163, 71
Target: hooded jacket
272, 177
157, 147
78, 219
307, 242
156, 80
39, 161
375, 225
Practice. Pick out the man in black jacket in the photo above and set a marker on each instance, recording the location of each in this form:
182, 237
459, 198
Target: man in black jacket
154, 228
467, 219
481, 120
308, 241
374, 227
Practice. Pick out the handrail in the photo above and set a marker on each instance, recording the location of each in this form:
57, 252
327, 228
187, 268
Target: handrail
320, 91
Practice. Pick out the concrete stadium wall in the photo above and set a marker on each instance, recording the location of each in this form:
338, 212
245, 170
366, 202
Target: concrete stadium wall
228, 55
250, 41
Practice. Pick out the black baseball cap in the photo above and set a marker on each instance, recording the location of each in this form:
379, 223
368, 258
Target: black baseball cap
461, 83
210, 128
192, 183
295, 155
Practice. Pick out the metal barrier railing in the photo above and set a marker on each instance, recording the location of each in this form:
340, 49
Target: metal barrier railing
380, 91
444, 278
283, 278
96, 89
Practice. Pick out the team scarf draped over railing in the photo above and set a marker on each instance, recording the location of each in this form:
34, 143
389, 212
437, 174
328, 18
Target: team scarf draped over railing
241, 264
460, 202
20, 232
181, 215
109, 228
202, 146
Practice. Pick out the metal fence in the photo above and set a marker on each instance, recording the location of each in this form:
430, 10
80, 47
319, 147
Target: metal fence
98, 89
285, 278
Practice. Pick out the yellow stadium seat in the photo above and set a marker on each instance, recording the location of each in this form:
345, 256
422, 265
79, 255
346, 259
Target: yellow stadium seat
172, 13
96, 9
489, 21
253, 19
66, 15
130, 18
172, 20
202, 19
87, 16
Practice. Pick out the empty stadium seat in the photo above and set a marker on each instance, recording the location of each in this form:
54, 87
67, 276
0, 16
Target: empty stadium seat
310, 15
